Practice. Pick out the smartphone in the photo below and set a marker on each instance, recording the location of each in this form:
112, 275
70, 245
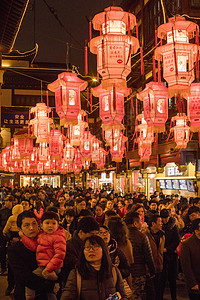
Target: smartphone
115, 296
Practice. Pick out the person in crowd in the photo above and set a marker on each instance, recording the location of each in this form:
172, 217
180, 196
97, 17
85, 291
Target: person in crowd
92, 204
23, 261
124, 209
139, 208
38, 210
50, 248
69, 221
192, 214
87, 226
61, 208
99, 214
142, 255
190, 261
170, 258
80, 203
156, 238
26, 204
95, 277
108, 214
5, 213
109, 205
196, 202
11, 230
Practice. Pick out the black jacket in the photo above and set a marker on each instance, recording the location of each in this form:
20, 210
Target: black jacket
142, 253
22, 262
172, 238
5, 213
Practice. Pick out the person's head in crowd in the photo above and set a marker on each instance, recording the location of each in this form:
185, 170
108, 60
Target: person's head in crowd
155, 223
121, 204
103, 202
70, 204
87, 227
128, 201
27, 222
196, 202
38, 204
193, 213
109, 205
80, 203
66, 195
26, 204
133, 219
196, 227
139, 209
93, 202
27, 195
184, 210
161, 205
8, 201
49, 222
61, 200
153, 205
32, 200
41, 195
52, 208
115, 200
99, 210
104, 233
69, 215
16, 200
164, 213
108, 214
84, 213
118, 230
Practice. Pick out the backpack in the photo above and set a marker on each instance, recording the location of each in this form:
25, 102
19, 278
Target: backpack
78, 278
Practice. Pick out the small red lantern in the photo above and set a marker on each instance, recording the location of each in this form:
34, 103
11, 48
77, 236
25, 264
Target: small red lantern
86, 146
77, 131
101, 155
178, 54
117, 147
41, 122
111, 104
43, 152
181, 130
193, 107
56, 144
67, 90
40, 167
114, 47
155, 104
33, 161
77, 166
68, 152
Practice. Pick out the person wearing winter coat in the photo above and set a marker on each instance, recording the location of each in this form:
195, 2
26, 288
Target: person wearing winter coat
95, 277
50, 249
11, 230
170, 257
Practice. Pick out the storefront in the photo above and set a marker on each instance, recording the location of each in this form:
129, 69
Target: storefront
30, 180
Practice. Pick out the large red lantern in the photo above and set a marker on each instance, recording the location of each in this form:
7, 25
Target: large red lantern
193, 107
178, 54
111, 104
114, 47
181, 130
112, 135
76, 132
101, 158
155, 104
41, 122
68, 152
86, 146
67, 90
56, 144
117, 147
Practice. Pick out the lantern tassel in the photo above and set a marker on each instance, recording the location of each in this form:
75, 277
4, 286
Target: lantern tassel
156, 141
129, 27
114, 98
86, 58
159, 73
87, 97
137, 35
47, 94
136, 106
132, 104
154, 69
183, 105
90, 30
142, 61
91, 102
156, 37
191, 136
129, 55
103, 54
175, 59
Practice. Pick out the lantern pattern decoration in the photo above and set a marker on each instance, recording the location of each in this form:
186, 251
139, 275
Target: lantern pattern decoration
68, 152
77, 165
112, 134
41, 122
145, 138
67, 90
117, 147
111, 103
155, 105
76, 132
33, 161
10, 157
63, 167
181, 130
40, 167
56, 144
114, 47
86, 146
5, 157
178, 54
95, 151
43, 152
193, 107
23, 144
101, 158
86, 163
47, 166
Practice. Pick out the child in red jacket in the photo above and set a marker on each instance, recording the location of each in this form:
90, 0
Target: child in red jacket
50, 248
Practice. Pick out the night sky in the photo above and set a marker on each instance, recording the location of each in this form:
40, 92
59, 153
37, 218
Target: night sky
52, 37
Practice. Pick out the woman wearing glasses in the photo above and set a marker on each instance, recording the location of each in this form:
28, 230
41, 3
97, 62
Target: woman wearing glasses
95, 277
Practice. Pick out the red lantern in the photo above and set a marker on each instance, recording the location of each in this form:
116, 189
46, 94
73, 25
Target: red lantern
181, 130
114, 47
193, 107
77, 131
86, 146
68, 152
41, 122
178, 54
40, 167
77, 166
155, 104
112, 135
33, 161
101, 158
111, 105
43, 152
117, 147
95, 151
56, 144
67, 90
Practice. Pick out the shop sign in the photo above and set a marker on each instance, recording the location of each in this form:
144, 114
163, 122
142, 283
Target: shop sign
13, 118
172, 169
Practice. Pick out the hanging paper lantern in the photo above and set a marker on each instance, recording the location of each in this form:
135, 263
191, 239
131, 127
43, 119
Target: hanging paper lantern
68, 152
181, 130
76, 132
67, 90
145, 138
77, 166
41, 122
40, 167
193, 107
23, 144
101, 158
155, 104
95, 151
178, 55
33, 161
112, 133
43, 152
111, 105
114, 47
117, 147
86, 146
56, 144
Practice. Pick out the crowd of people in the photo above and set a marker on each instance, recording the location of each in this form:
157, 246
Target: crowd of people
57, 243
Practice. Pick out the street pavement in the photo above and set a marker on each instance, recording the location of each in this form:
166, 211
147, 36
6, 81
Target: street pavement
181, 290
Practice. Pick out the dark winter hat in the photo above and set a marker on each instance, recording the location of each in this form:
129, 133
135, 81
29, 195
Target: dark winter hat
193, 209
164, 213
